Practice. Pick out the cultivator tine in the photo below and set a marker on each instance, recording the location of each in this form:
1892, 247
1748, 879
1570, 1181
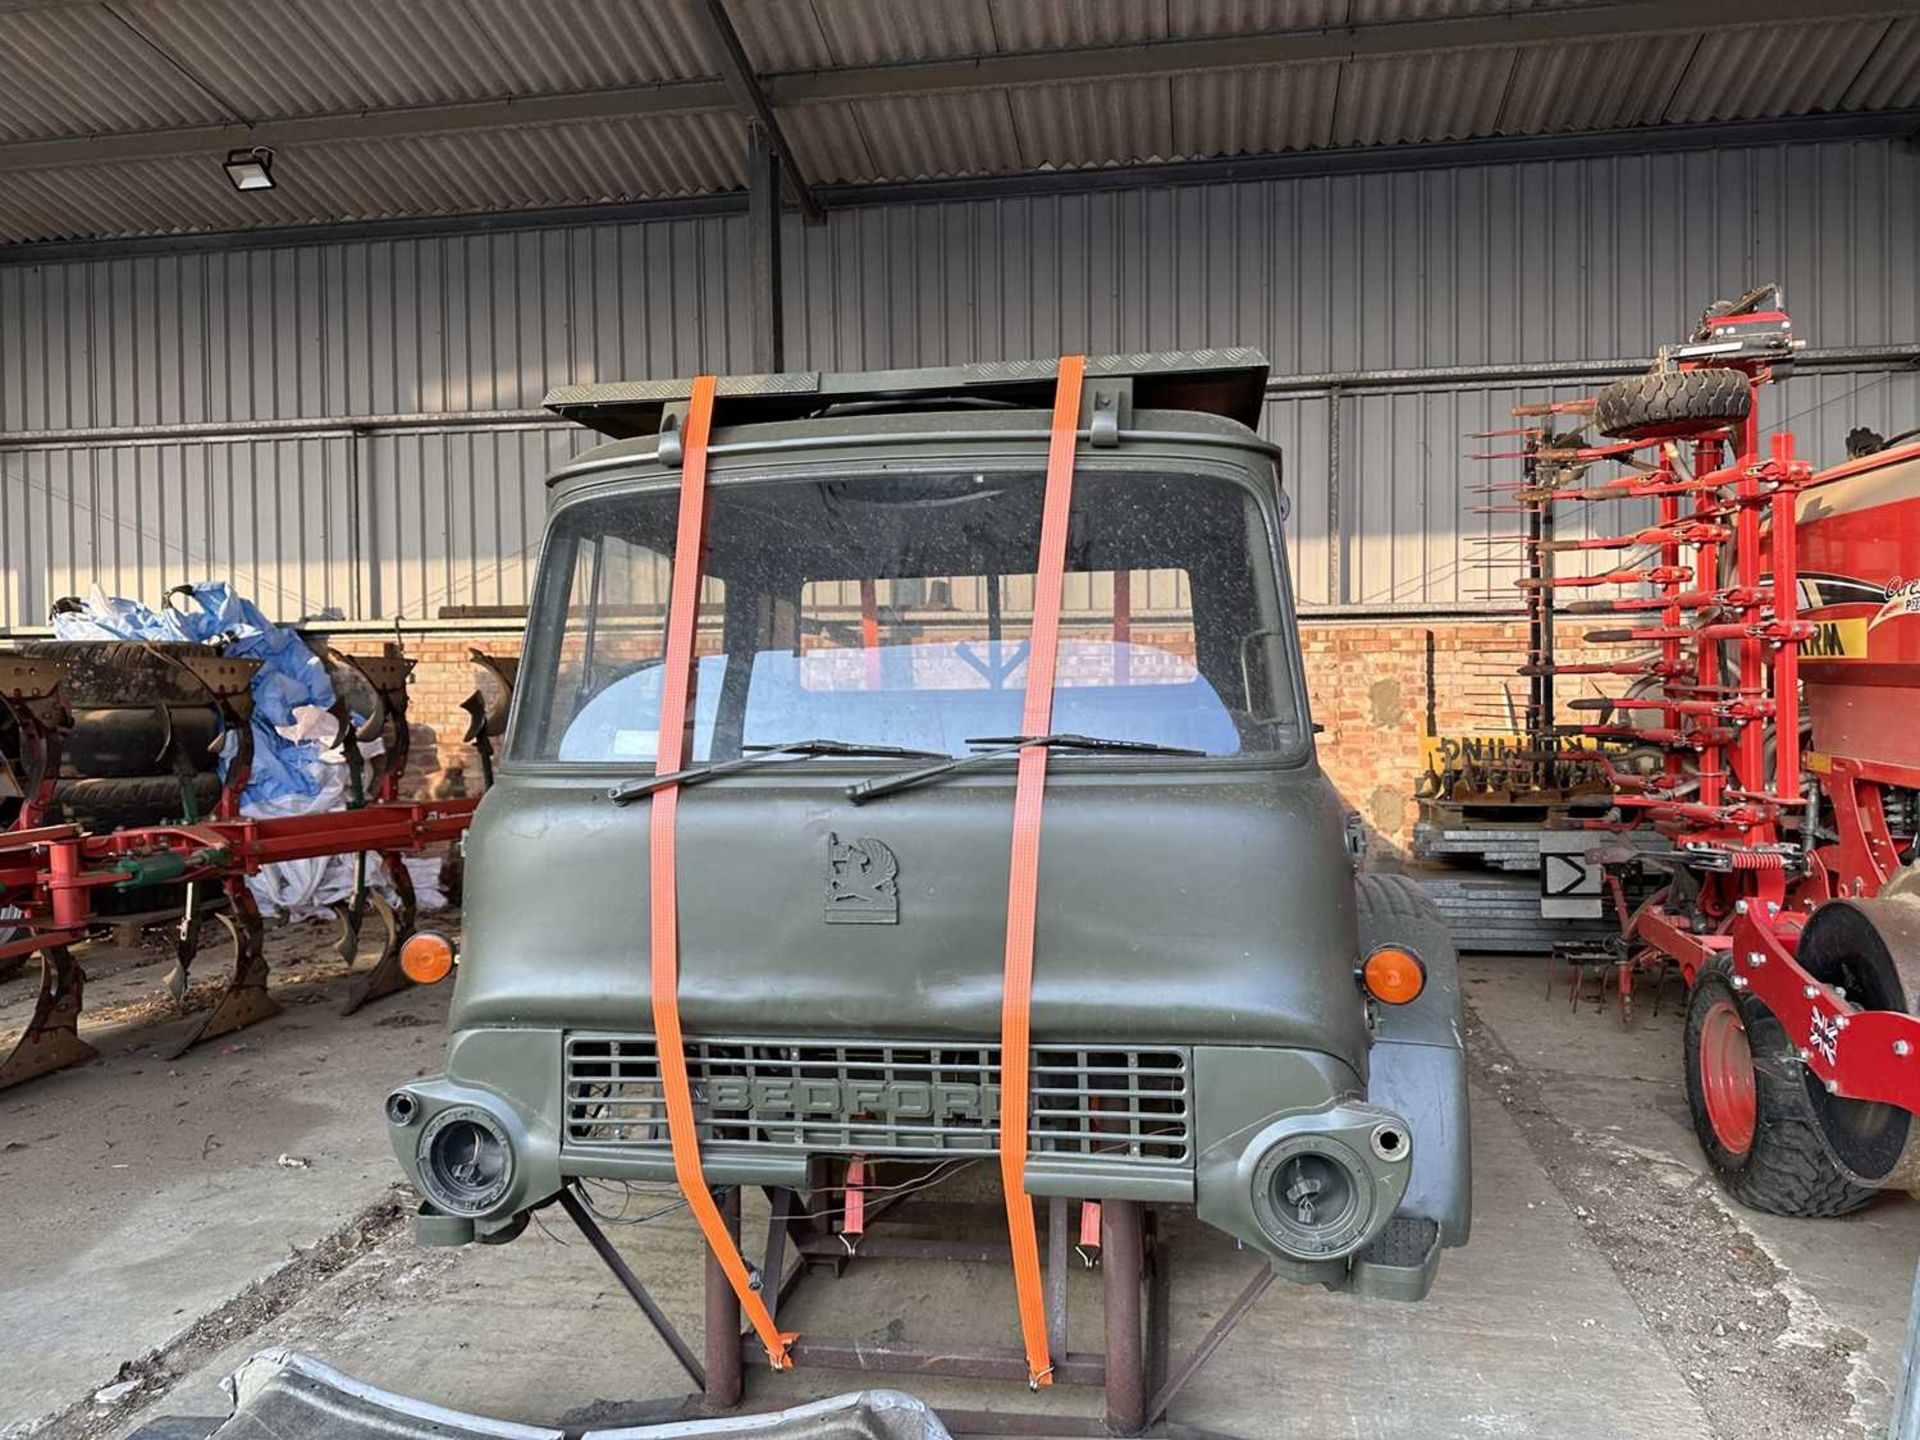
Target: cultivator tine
1625, 667
1654, 536
245, 1000
51, 1040
386, 977
1636, 635
1652, 575
1556, 407
352, 913
1639, 604
186, 942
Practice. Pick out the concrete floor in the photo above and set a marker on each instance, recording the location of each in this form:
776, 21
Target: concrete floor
144, 1197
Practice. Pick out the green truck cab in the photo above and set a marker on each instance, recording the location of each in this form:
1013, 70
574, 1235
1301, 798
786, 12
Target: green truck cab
1201, 1035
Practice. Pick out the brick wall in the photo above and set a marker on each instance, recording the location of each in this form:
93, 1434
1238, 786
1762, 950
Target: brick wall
1367, 680
439, 763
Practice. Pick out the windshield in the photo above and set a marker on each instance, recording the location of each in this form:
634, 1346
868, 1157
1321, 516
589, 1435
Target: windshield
895, 609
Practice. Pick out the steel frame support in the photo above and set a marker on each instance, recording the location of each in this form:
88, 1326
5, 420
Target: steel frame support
584, 1222
1136, 1309
1122, 1260
723, 1343
1210, 1342
1352, 160
1831, 360
763, 223
737, 70
737, 83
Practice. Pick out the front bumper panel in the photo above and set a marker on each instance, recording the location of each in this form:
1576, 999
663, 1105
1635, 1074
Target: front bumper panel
1211, 1126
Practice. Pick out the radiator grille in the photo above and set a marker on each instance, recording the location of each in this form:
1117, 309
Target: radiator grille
1132, 1105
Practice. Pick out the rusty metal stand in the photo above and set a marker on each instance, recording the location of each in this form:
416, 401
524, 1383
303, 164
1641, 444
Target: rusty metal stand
1123, 1268
724, 1386
583, 1220
1133, 1370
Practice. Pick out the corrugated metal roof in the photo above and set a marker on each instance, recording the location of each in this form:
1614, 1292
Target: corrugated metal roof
830, 142
1111, 122
496, 170
969, 133
1595, 85
1254, 112
821, 34
1788, 70
558, 46
1890, 80
305, 57
784, 35
84, 68
1453, 95
51, 67
261, 57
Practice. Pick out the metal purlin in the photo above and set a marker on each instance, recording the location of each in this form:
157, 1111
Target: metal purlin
1023, 878
676, 674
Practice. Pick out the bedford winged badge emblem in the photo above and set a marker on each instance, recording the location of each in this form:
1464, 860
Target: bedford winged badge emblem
862, 886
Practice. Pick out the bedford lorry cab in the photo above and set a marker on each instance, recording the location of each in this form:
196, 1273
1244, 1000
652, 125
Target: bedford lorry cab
1204, 1035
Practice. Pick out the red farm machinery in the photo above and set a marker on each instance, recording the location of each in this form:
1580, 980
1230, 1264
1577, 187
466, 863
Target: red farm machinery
1763, 629
115, 815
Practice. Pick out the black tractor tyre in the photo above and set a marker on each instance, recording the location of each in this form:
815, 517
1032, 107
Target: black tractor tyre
1865, 949
124, 672
1783, 1168
129, 801
1672, 405
139, 740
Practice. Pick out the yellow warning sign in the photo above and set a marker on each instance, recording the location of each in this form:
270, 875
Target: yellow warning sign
1837, 640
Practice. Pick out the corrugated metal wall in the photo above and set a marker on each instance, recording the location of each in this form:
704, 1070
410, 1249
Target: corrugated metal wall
1586, 259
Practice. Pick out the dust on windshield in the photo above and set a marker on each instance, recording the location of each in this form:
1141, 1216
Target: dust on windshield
896, 609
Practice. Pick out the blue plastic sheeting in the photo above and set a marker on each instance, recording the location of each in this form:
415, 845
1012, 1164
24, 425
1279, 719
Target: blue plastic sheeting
285, 772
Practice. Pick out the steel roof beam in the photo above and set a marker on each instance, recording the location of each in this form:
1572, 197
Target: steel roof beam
1332, 43
633, 102
737, 70
1296, 164
1266, 49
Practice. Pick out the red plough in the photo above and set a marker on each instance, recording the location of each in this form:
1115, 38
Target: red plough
61, 882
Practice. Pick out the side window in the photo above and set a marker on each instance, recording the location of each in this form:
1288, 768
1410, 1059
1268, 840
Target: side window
604, 704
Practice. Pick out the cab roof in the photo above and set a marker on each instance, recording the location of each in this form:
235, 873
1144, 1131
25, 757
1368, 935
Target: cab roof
1227, 382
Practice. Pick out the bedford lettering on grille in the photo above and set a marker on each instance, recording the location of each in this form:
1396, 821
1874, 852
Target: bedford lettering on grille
898, 1099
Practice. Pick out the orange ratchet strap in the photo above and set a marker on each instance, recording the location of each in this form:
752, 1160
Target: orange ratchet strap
1024, 879
676, 673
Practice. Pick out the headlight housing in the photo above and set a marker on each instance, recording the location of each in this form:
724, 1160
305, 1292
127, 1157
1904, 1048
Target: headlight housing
465, 1161
1310, 1189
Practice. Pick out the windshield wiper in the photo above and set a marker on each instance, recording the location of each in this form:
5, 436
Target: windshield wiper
801, 749
998, 747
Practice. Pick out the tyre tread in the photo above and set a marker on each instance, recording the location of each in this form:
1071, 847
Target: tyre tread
1672, 403
1786, 1170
